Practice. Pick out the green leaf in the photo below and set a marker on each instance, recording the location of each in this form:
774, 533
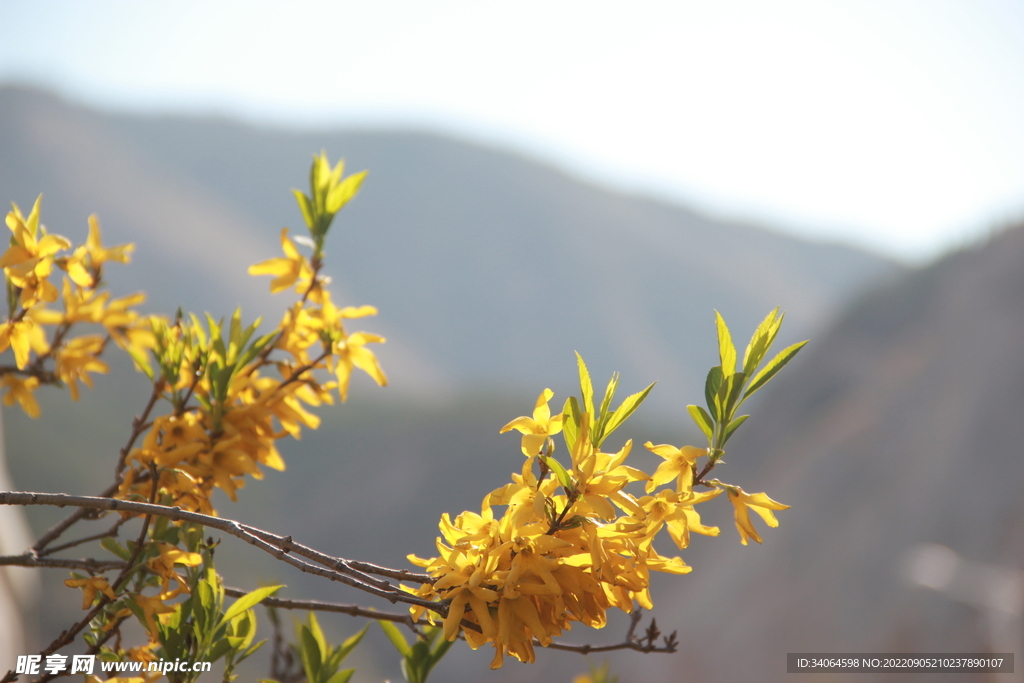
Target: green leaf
306, 207
732, 427
248, 601
712, 385
396, 637
310, 653
726, 350
341, 676
761, 341
622, 413
570, 422
731, 392
344, 192
774, 365
351, 643
141, 362
586, 387
703, 420
563, 477
114, 547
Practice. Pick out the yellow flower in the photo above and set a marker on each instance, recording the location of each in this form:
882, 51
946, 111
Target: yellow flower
351, 351
759, 503
20, 390
537, 429
90, 586
163, 565
153, 608
23, 336
28, 261
679, 463
85, 275
76, 358
286, 271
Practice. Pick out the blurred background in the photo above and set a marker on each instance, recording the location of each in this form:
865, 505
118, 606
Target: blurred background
551, 177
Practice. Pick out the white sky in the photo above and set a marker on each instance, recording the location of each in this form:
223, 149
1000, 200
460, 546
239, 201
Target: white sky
894, 124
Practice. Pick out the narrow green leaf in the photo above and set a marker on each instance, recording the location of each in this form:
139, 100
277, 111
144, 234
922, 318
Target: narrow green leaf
341, 676
439, 651
113, 546
774, 365
597, 436
570, 422
703, 420
141, 362
732, 427
318, 634
351, 642
731, 392
220, 648
563, 477
396, 637
726, 350
711, 387
622, 413
344, 192
248, 601
310, 653
306, 207
760, 341
586, 386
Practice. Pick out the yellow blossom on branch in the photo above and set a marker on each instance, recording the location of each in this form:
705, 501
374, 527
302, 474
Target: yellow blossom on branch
537, 429
21, 390
90, 587
293, 269
24, 336
759, 503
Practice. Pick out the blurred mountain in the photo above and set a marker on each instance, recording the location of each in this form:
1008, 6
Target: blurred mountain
489, 269
900, 427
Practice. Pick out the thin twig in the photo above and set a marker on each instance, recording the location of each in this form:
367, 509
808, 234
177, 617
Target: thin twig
30, 560
322, 606
335, 569
112, 532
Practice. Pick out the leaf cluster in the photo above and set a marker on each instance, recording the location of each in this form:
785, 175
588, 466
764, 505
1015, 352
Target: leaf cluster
420, 657
728, 386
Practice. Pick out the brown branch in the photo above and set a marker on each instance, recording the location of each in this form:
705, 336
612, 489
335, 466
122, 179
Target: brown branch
321, 606
337, 569
645, 643
68, 636
30, 560
60, 527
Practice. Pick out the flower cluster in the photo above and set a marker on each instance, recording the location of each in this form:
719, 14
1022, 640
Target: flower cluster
571, 542
39, 336
229, 395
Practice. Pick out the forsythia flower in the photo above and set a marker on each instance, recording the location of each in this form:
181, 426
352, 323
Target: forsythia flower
85, 275
78, 357
679, 463
20, 390
759, 503
537, 429
28, 261
24, 336
287, 271
90, 586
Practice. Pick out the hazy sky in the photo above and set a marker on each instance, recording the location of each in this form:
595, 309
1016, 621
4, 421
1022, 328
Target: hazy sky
894, 124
